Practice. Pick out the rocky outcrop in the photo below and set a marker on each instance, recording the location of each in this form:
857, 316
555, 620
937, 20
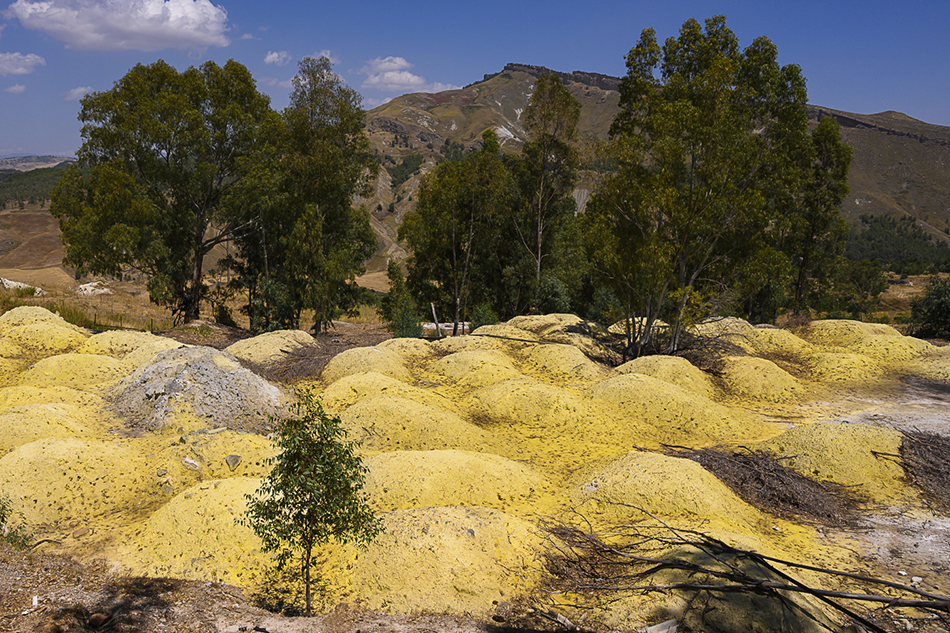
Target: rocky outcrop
597, 80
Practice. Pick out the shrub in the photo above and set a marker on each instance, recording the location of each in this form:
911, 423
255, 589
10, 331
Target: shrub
930, 312
16, 534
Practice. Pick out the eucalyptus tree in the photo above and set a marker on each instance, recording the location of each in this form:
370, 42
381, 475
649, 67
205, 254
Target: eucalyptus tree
705, 137
159, 182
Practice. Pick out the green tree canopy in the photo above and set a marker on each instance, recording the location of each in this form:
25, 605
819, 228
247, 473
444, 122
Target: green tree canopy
168, 153
706, 137
308, 241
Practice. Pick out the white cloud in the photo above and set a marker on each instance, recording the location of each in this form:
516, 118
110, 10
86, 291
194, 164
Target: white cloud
277, 57
391, 74
19, 64
16, 89
113, 25
326, 53
78, 93
248, 36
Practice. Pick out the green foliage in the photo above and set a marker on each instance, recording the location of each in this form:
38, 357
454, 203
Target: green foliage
901, 244
13, 532
167, 155
708, 141
453, 151
404, 170
930, 313
314, 491
398, 308
36, 184
482, 314
305, 242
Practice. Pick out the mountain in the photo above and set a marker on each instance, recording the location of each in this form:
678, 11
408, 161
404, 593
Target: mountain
901, 166
28, 163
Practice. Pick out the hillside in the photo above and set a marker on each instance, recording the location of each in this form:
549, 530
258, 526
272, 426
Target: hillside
901, 165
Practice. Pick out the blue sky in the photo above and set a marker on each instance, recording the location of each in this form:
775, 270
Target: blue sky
864, 57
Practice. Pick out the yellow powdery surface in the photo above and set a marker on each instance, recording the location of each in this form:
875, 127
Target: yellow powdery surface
467, 440
270, 347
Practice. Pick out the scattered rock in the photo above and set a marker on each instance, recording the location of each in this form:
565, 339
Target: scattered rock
93, 288
233, 461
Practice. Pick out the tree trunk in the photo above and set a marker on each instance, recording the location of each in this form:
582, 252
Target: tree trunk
191, 306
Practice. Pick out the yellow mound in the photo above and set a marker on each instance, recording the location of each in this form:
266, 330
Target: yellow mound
388, 423
843, 368
543, 323
778, 342
498, 331
563, 362
270, 347
9, 370
672, 369
31, 315
453, 560
723, 326
934, 365
453, 344
620, 327
28, 423
134, 348
412, 479
474, 368
663, 486
364, 359
46, 337
677, 416
351, 389
409, 349
892, 350
760, 379
54, 480
195, 535
90, 372
204, 453
9, 349
25, 395
843, 453
522, 400
843, 333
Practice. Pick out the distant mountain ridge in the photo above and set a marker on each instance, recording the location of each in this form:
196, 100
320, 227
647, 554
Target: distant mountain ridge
901, 165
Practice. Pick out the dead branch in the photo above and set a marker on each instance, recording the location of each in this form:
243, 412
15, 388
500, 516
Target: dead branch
582, 562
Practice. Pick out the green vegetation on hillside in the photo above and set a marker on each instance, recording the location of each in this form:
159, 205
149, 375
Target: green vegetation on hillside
408, 167
902, 245
18, 188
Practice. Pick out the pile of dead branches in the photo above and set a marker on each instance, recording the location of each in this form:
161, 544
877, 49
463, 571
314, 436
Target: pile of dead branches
926, 460
652, 557
760, 479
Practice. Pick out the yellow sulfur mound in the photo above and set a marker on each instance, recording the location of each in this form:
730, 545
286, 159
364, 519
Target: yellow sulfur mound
45, 338
843, 333
25, 395
759, 379
469, 369
844, 454
27, 423
563, 362
447, 559
775, 341
411, 479
32, 315
195, 535
843, 368
677, 416
363, 359
388, 423
892, 350
409, 349
56, 479
270, 347
723, 326
672, 369
660, 485
88, 372
935, 365
9, 349
351, 389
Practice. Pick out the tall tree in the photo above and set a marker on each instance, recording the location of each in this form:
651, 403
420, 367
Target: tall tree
703, 135
449, 230
167, 154
547, 170
310, 241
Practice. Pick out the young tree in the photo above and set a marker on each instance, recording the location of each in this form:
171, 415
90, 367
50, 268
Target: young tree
313, 492
398, 307
167, 154
309, 241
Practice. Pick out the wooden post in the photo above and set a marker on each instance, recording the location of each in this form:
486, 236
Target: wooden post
438, 328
